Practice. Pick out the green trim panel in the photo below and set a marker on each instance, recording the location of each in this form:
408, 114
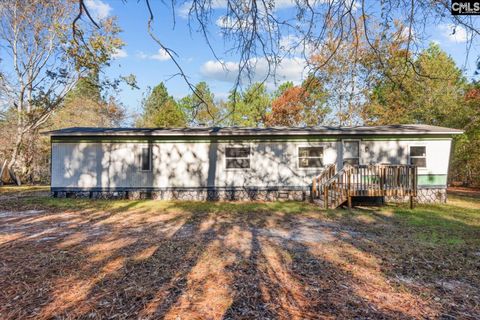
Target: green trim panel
432, 180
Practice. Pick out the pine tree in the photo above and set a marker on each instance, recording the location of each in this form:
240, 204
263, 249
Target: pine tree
249, 109
200, 107
161, 110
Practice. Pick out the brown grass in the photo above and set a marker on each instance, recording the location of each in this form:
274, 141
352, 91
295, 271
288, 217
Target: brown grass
179, 260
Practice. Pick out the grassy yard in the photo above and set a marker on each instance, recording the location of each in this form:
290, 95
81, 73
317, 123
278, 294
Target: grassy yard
23, 191
67, 258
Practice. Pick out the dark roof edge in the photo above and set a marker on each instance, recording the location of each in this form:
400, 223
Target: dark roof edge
237, 131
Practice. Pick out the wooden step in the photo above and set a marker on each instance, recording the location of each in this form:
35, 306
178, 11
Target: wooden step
321, 203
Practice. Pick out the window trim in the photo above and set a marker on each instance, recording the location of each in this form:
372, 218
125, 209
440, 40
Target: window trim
150, 160
359, 150
410, 156
323, 146
249, 146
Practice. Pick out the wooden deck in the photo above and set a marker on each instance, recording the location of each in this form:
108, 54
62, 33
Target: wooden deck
333, 188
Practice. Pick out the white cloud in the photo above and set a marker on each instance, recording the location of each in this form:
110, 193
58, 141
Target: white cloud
141, 55
99, 9
408, 32
184, 8
289, 69
216, 71
454, 33
219, 95
161, 55
225, 22
292, 44
283, 4
119, 53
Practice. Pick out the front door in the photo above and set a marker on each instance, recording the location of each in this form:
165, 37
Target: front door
351, 152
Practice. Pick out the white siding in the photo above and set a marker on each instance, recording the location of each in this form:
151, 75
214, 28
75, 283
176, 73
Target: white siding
397, 152
110, 165
201, 164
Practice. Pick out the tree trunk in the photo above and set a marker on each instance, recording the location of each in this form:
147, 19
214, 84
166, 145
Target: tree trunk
2, 171
13, 160
28, 158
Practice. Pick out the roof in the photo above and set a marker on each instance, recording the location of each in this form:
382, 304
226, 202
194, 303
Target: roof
407, 129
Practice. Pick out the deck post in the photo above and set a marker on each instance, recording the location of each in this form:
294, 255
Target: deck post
325, 196
349, 187
414, 187
314, 188
382, 180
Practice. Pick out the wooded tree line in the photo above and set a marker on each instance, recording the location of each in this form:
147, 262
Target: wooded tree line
53, 81
433, 90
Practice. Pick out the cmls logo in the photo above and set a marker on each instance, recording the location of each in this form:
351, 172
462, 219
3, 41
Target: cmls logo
465, 7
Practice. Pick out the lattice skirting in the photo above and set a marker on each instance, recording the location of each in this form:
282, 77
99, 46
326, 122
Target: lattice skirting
424, 195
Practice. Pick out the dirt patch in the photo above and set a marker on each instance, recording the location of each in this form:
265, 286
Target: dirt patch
308, 230
5, 214
166, 262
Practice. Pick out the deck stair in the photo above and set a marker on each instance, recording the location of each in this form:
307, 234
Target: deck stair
333, 188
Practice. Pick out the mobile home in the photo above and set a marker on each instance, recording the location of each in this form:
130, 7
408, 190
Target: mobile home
239, 163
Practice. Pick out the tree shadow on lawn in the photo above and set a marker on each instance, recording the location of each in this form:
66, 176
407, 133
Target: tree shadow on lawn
433, 250
195, 260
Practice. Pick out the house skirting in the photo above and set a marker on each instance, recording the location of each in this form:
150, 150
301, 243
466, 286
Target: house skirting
198, 194
424, 195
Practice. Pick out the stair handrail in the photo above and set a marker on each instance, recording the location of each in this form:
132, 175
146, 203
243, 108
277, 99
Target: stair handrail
341, 171
318, 181
341, 182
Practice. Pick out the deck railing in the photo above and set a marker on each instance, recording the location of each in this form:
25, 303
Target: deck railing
365, 180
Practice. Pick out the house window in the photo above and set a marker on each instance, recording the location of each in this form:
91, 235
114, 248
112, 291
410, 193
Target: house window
237, 157
418, 156
146, 158
310, 157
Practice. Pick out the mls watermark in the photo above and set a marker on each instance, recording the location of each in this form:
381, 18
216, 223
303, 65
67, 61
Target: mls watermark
465, 7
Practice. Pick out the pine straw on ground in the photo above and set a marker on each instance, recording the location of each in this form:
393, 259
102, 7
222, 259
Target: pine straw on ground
179, 260
464, 191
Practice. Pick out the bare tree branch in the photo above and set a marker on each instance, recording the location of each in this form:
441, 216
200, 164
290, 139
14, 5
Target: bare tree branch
253, 30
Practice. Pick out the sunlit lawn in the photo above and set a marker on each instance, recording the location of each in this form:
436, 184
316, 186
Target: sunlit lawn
25, 190
70, 258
